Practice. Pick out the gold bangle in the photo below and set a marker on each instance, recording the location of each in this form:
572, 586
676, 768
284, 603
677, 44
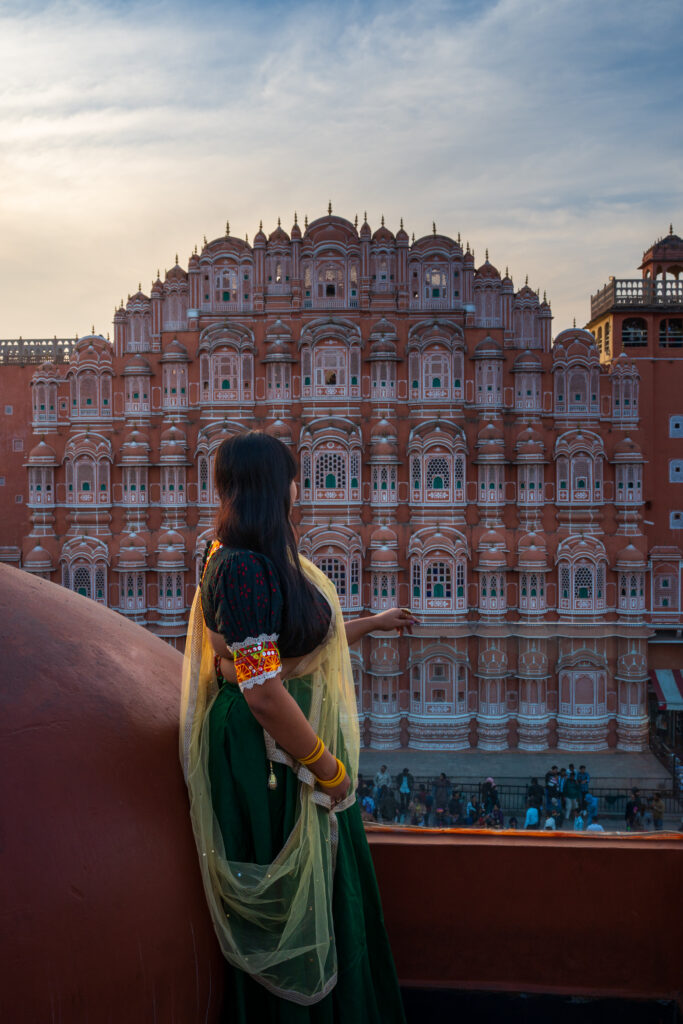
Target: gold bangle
315, 754
331, 783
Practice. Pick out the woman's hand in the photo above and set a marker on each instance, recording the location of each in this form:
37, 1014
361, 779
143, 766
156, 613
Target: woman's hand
394, 618
340, 791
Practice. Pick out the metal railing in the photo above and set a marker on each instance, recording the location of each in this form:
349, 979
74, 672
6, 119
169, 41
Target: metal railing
636, 292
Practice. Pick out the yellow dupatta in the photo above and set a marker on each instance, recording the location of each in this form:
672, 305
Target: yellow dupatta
274, 921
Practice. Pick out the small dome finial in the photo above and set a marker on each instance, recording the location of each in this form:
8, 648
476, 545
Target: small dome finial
458, 238
574, 321
433, 227
401, 223
139, 286
382, 220
260, 225
329, 207
544, 296
296, 219
365, 216
176, 259
355, 222
507, 271
487, 255
526, 280
278, 222
227, 228
413, 238
246, 238
158, 275
671, 229
205, 241
92, 329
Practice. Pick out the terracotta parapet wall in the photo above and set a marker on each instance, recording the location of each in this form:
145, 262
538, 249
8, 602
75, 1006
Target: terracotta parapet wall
534, 913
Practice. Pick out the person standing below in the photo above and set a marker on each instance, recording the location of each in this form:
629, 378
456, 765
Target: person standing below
533, 820
489, 795
647, 820
387, 805
594, 826
382, 779
535, 794
404, 785
552, 787
584, 780
658, 812
633, 811
591, 803
572, 794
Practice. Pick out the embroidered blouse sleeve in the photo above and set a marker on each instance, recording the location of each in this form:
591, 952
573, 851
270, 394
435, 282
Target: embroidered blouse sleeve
248, 610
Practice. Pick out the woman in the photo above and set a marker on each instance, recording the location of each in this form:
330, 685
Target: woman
271, 765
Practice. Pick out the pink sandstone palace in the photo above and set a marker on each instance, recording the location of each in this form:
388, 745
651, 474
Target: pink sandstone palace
522, 494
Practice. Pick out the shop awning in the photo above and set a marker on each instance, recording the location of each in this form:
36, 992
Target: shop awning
668, 685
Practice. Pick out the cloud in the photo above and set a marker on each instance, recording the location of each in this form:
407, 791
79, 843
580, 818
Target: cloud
545, 131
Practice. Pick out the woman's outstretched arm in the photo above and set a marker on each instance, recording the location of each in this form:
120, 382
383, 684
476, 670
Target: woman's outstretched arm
393, 618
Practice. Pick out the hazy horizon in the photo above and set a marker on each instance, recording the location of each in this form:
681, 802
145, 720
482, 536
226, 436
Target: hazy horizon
549, 133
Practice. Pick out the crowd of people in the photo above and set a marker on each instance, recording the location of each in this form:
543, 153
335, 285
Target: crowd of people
563, 800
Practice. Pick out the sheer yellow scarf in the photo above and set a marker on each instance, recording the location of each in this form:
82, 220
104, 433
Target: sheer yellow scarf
274, 921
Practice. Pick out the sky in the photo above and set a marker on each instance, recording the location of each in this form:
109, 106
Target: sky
548, 131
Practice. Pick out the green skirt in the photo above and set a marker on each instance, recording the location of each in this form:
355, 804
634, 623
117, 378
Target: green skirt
255, 822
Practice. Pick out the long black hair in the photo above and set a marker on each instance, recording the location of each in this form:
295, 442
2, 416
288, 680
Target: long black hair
253, 474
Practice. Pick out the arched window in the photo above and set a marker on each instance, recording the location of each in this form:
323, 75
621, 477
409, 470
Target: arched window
205, 490
332, 372
582, 586
491, 476
631, 591
173, 485
634, 332
530, 484
625, 397
345, 573
671, 332
279, 381
330, 475
384, 590
132, 591
629, 483
225, 372
438, 583
532, 592
492, 596
435, 283
87, 578
41, 485
443, 475
383, 378
489, 382
528, 392
175, 386
137, 394
87, 394
226, 287
436, 374
578, 391
383, 485
135, 485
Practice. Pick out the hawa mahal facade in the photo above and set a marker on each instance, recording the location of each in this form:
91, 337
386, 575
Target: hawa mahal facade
453, 459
